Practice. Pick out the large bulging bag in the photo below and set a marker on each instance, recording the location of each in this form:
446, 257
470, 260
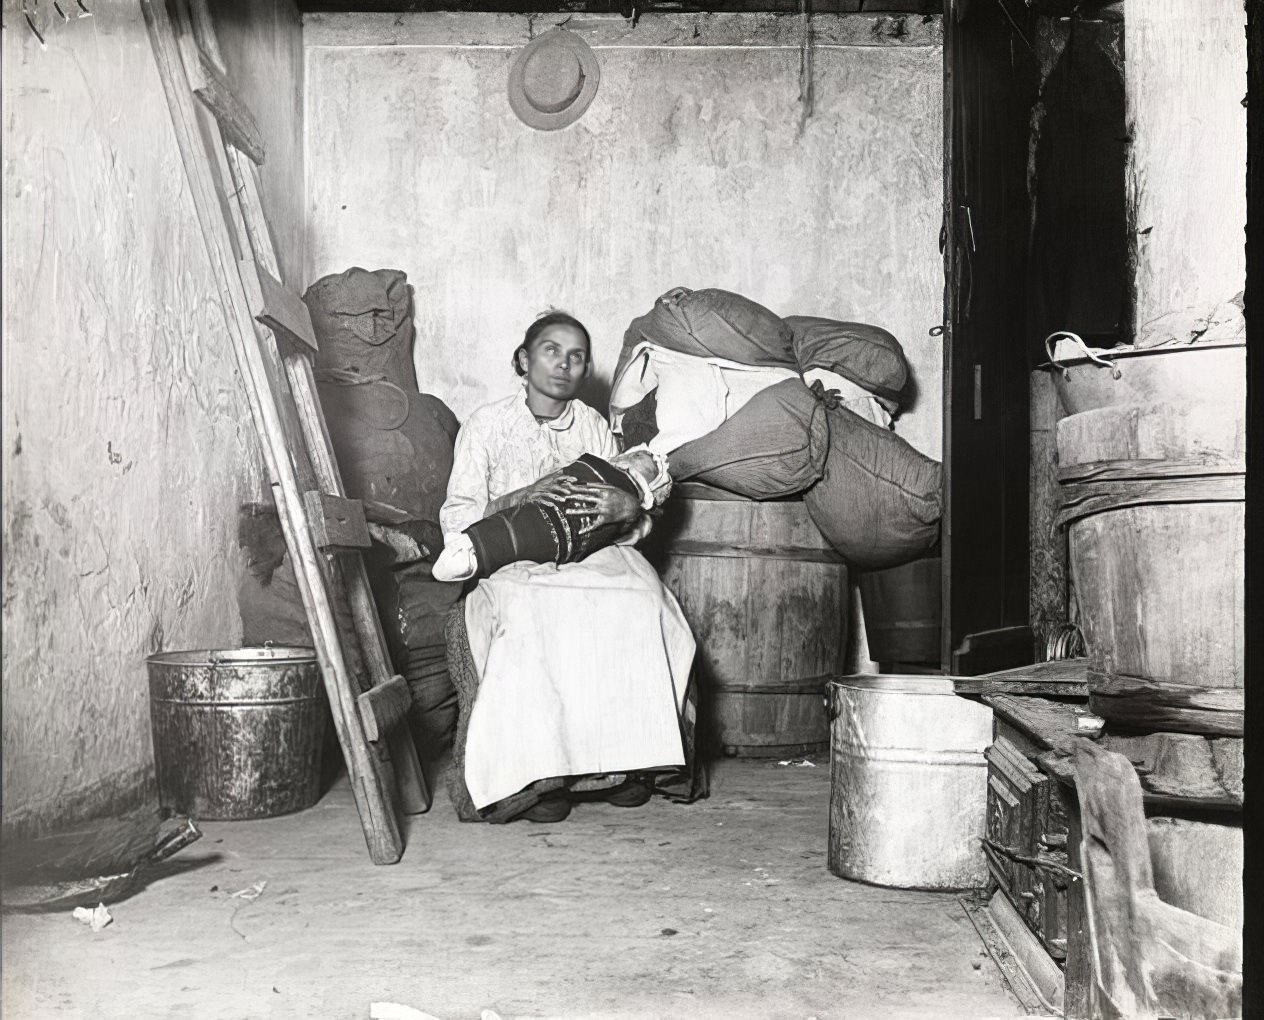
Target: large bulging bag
364, 324
774, 446
879, 500
712, 323
391, 446
867, 355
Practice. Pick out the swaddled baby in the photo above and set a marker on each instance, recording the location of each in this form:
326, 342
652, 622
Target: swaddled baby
542, 531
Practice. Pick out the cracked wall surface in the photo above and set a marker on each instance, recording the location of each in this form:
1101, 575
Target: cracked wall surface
693, 166
128, 443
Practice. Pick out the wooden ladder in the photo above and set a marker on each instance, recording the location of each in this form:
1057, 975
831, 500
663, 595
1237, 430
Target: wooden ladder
271, 332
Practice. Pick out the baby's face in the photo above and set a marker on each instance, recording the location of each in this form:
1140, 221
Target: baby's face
641, 462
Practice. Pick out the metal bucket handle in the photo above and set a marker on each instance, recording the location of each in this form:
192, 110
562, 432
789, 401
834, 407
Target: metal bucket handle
218, 656
1115, 371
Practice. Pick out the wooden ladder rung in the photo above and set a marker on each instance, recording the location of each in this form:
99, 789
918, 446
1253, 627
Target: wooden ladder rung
283, 311
336, 523
211, 87
384, 706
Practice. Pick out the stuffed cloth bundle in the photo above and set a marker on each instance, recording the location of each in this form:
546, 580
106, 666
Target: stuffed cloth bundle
393, 447
879, 500
364, 323
774, 446
393, 444
714, 323
864, 354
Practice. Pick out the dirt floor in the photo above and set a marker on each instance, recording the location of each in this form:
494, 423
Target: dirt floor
720, 909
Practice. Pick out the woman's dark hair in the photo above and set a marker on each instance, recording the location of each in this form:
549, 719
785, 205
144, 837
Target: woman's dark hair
540, 325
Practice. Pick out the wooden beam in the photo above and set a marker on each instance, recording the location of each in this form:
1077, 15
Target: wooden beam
383, 707
212, 88
283, 311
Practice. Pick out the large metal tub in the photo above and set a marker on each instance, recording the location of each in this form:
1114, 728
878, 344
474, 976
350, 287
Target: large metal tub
908, 782
237, 733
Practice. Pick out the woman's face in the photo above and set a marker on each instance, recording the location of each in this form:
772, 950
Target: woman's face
556, 362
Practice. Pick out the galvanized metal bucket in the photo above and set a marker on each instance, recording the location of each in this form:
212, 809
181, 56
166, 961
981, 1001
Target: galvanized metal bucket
908, 782
1198, 373
237, 733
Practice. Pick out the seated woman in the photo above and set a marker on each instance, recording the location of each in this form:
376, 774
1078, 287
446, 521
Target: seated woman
583, 667
544, 529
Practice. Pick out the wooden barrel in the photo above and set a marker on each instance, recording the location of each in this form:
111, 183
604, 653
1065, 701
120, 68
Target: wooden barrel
901, 607
1154, 501
767, 599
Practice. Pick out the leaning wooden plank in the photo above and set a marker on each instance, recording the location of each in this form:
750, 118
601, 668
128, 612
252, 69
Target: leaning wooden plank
255, 224
384, 706
212, 88
337, 522
377, 815
1149, 958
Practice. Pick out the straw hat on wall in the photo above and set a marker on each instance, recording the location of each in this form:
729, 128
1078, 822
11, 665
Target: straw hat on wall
553, 79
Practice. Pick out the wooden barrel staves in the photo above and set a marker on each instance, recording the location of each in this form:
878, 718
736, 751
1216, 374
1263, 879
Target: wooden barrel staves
1154, 500
766, 598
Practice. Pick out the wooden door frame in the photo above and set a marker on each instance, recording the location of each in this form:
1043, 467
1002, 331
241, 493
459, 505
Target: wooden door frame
1004, 640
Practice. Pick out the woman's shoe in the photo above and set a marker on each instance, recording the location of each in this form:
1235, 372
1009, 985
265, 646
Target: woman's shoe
550, 809
633, 793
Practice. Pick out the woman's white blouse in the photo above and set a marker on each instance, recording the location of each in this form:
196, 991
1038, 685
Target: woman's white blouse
501, 447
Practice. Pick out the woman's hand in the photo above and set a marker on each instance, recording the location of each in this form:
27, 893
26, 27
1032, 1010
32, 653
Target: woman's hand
602, 503
557, 486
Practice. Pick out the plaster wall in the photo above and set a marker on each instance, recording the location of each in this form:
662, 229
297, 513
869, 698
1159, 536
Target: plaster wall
697, 164
128, 443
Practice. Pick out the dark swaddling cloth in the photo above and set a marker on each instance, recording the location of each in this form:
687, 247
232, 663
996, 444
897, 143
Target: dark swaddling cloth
541, 530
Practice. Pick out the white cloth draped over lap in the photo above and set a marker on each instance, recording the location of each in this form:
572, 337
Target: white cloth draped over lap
583, 669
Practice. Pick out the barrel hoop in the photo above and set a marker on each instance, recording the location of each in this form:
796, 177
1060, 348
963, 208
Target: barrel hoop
912, 755
806, 687
1121, 470
1094, 498
254, 703
718, 550
1209, 699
